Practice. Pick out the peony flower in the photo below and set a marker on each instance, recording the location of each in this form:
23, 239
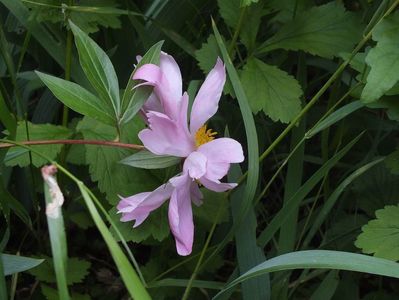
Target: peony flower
206, 159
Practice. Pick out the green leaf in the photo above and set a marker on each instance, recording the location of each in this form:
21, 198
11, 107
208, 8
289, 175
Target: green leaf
98, 69
77, 270
320, 259
208, 211
77, 98
134, 98
272, 90
383, 60
248, 2
6, 117
128, 274
89, 15
15, 264
380, 237
17, 156
155, 226
147, 160
285, 10
207, 54
114, 178
56, 229
324, 30
392, 162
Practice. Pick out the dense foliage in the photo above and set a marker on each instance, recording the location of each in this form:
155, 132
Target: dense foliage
311, 94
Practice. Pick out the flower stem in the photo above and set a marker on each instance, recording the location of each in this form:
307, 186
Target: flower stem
79, 142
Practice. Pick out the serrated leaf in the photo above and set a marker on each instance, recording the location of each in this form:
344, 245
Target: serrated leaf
383, 60
77, 98
17, 156
380, 237
392, 162
285, 10
146, 160
156, 226
98, 69
77, 270
324, 30
272, 90
134, 98
100, 13
114, 178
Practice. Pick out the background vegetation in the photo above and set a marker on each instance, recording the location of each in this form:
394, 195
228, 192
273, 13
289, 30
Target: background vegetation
312, 95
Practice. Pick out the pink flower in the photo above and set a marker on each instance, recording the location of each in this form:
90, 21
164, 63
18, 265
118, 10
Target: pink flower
207, 160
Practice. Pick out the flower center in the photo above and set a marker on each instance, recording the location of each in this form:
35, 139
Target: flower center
203, 136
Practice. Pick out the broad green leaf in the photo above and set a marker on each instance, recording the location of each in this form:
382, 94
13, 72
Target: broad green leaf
208, 210
56, 229
272, 90
77, 98
207, 54
380, 237
147, 160
156, 226
248, 2
134, 98
114, 178
98, 69
286, 10
324, 30
383, 60
128, 274
320, 259
392, 162
17, 156
15, 264
77, 270
390, 104
88, 20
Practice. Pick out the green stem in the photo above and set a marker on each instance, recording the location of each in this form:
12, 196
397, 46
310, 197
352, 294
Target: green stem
72, 142
204, 249
237, 31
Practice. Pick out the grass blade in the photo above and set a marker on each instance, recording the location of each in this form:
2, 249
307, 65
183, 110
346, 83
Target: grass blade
296, 199
129, 276
321, 259
55, 221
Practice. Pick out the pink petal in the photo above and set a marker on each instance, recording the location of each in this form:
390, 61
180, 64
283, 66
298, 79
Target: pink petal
139, 206
207, 100
150, 73
166, 137
172, 75
153, 104
222, 150
217, 186
216, 170
181, 215
195, 165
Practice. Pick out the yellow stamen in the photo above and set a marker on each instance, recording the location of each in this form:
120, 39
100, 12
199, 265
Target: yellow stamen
203, 136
